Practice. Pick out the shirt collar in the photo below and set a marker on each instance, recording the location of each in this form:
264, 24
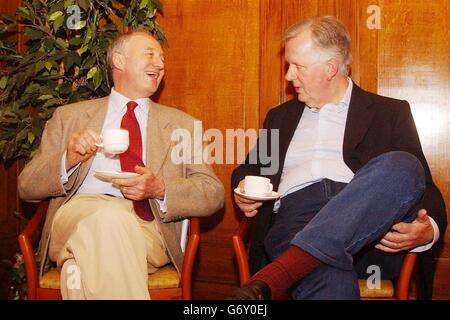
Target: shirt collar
345, 102
120, 102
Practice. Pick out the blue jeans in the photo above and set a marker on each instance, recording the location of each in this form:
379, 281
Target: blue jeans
335, 221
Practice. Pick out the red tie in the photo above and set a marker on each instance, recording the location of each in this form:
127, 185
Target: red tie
133, 156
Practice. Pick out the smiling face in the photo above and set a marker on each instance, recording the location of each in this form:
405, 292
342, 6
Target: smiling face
307, 71
139, 69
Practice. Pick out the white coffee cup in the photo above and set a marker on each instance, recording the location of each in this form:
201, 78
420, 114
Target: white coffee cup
256, 185
114, 141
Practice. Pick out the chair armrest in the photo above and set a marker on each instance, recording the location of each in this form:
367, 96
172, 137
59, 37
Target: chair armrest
240, 249
404, 279
26, 247
189, 257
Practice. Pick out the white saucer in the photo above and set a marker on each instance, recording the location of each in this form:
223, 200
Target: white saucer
108, 175
266, 197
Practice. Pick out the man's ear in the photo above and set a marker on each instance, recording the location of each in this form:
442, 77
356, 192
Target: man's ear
118, 61
332, 68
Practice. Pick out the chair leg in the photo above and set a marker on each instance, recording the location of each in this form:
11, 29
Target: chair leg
402, 290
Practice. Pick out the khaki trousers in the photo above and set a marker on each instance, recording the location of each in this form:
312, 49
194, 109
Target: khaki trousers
104, 250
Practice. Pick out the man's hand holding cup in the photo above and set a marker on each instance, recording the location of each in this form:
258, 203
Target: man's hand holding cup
252, 185
84, 144
81, 147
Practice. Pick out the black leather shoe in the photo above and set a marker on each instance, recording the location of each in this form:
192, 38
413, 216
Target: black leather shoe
253, 290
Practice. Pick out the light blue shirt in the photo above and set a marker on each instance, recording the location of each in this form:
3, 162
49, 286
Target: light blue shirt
315, 151
117, 107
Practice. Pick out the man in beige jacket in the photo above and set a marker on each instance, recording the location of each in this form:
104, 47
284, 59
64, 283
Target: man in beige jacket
92, 225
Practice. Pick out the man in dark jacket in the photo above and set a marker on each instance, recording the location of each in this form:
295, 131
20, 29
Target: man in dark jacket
356, 190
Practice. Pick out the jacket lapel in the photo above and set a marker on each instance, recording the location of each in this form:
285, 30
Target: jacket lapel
359, 118
158, 138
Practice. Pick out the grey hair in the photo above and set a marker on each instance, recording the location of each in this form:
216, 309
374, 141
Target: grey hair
328, 35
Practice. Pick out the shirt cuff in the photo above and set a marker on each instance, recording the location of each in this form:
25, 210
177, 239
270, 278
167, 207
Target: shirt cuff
64, 174
435, 238
162, 204
184, 234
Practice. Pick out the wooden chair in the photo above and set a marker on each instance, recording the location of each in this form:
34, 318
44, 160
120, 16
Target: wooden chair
165, 284
386, 292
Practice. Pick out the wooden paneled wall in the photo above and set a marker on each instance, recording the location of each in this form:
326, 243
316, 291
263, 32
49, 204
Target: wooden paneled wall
225, 66
212, 73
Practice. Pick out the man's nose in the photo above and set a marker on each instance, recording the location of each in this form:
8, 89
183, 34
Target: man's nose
158, 62
290, 74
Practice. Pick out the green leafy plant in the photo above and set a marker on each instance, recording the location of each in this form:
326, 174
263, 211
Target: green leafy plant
64, 61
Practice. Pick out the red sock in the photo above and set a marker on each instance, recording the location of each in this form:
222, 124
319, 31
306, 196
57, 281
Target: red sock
286, 270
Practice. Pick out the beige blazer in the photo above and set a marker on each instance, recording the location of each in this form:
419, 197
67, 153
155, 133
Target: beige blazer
191, 189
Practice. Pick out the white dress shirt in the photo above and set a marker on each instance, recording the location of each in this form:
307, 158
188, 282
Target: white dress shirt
315, 152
